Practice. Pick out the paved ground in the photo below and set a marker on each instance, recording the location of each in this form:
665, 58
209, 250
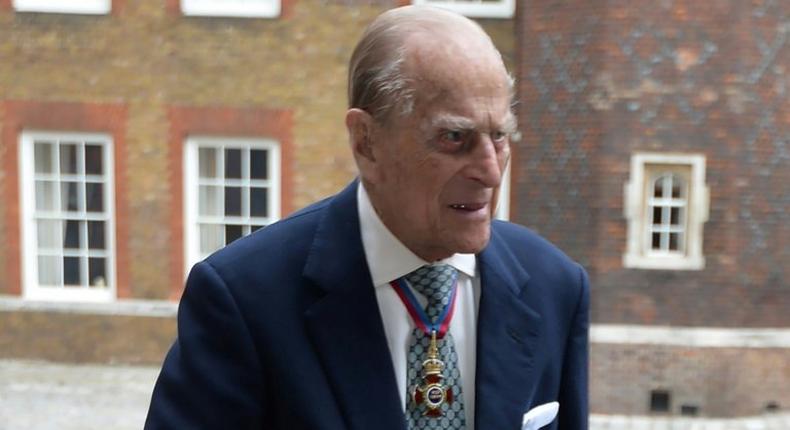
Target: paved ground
47, 396
767, 422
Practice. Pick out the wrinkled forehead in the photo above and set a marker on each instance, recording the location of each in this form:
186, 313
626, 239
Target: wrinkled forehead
438, 62
456, 80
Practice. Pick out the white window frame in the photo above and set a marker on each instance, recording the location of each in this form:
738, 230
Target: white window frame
232, 8
475, 8
31, 289
191, 183
82, 7
502, 210
637, 193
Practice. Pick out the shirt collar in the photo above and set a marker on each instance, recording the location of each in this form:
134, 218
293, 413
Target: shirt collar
388, 258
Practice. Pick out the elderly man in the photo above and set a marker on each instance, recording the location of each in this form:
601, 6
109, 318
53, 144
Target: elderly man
398, 303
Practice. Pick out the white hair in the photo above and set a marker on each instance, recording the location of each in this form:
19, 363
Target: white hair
377, 82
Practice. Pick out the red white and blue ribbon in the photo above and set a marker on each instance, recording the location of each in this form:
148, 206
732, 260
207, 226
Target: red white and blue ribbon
417, 312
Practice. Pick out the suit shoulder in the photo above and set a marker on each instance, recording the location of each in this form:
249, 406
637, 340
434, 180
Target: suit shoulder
518, 236
534, 252
275, 244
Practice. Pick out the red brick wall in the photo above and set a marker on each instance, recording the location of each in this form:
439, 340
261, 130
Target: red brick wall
554, 171
601, 81
84, 338
722, 382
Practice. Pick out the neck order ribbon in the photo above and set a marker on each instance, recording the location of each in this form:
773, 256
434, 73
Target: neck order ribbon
417, 312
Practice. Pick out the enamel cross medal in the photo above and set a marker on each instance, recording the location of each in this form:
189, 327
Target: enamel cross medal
432, 392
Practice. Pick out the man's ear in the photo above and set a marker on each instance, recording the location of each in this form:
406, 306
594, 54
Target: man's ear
360, 125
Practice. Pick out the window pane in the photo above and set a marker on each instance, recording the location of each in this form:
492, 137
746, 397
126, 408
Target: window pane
68, 158
676, 184
93, 159
259, 202
254, 228
657, 215
211, 237
207, 162
94, 197
45, 195
71, 238
232, 232
233, 201
656, 243
49, 234
71, 271
675, 216
69, 200
658, 187
259, 168
208, 201
233, 163
673, 241
96, 235
43, 157
97, 273
49, 270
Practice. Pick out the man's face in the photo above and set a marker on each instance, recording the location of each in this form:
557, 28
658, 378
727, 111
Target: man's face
437, 170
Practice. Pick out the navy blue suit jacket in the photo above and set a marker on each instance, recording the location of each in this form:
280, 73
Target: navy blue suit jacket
281, 330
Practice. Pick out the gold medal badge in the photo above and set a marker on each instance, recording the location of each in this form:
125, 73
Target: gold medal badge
432, 392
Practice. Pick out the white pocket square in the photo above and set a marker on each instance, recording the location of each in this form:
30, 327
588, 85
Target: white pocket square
540, 416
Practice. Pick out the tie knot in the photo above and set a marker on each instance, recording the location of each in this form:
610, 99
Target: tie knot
435, 282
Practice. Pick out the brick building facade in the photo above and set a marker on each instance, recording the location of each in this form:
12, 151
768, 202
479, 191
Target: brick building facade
611, 89
597, 84
143, 78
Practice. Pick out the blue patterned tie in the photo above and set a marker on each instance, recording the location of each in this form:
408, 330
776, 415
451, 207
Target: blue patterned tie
434, 282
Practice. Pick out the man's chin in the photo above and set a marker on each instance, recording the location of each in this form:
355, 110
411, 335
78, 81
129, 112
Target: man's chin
474, 244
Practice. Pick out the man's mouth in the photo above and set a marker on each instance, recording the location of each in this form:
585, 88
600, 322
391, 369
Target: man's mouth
468, 207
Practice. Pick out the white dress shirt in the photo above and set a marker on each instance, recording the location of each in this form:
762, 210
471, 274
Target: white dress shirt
388, 259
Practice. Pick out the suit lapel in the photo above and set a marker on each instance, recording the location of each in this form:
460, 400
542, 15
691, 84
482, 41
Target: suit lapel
507, 336
345, 324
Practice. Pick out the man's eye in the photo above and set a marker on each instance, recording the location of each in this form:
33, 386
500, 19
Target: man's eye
498, 136
453, 136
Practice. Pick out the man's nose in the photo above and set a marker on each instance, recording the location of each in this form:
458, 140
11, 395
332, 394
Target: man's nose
485, 166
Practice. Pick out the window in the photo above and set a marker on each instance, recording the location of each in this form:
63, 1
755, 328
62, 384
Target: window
87, 7
231, 189
476, 8
666, 206
503, 203
67, 216
232, 8
659, 401
689, 410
